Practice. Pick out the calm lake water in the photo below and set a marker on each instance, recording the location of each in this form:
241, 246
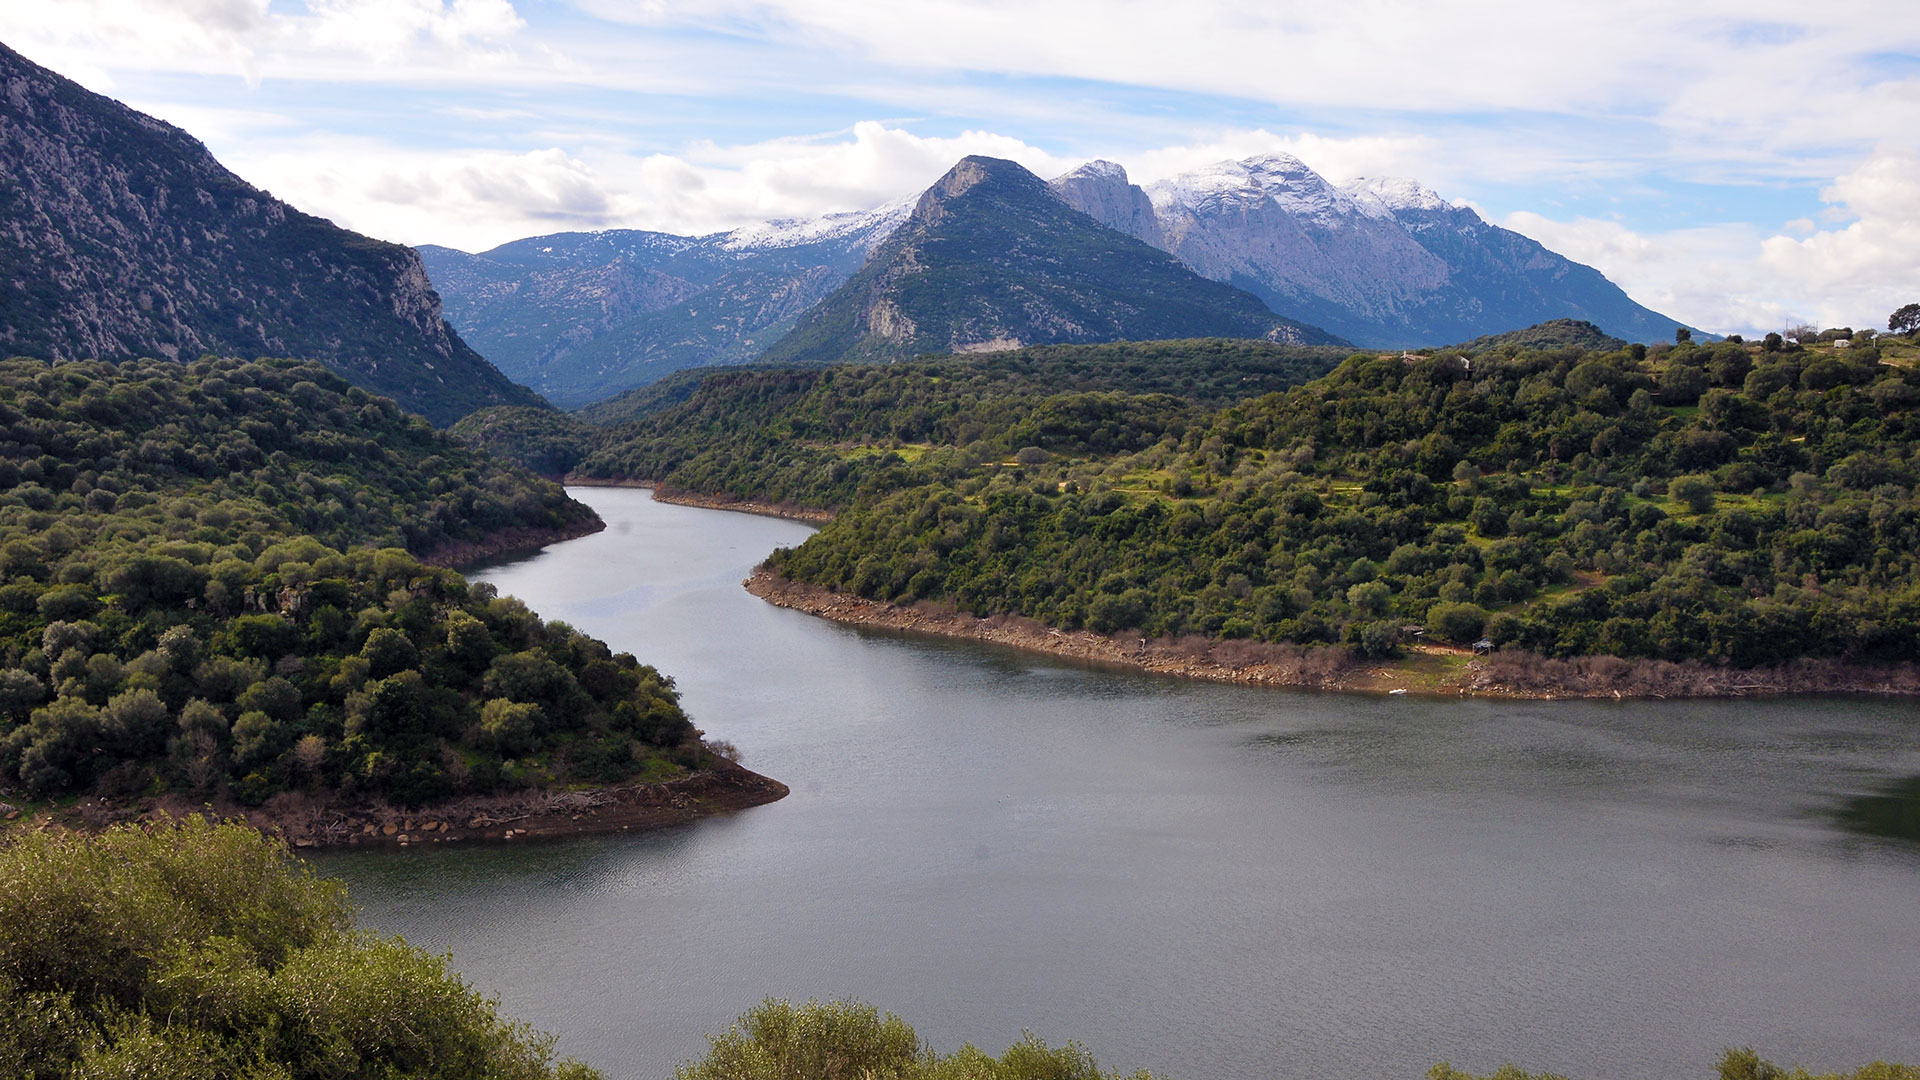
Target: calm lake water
1208, 881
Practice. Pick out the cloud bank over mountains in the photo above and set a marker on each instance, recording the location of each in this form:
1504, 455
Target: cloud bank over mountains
1736, 164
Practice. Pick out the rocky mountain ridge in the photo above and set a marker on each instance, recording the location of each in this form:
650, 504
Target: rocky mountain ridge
121, 237
584, 316
1384, 262
991, 259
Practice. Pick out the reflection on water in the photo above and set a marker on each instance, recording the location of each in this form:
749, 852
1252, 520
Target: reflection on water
1205, 880
1892, 812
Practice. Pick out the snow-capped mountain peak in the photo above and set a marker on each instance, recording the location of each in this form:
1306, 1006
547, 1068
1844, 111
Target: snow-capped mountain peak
1282, 179
1396, 193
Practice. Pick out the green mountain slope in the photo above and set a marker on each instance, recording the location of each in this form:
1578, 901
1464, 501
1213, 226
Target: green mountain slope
991, 259
125, 238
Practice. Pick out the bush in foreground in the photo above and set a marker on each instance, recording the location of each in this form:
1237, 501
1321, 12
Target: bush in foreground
196, 951
850, 1040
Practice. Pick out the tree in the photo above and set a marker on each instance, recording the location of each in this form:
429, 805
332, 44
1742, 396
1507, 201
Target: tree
195, 950
1457, 622
1695, 492
1682, 336
1905, 319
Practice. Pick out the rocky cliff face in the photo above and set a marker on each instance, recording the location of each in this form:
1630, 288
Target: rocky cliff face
991, 258
1100, 190
121, 236
1381, 262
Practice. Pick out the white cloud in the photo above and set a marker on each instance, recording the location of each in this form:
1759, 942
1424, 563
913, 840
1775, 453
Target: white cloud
476, 198
1737, 278
1723, 84
366, 39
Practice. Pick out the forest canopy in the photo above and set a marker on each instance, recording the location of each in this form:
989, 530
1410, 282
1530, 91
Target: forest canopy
210, 586
1725, 502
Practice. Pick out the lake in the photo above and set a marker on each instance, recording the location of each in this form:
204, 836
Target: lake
1209, 881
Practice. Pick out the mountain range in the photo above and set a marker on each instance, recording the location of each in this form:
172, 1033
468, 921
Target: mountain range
583, 316
991, 259
121, 236
1383, 263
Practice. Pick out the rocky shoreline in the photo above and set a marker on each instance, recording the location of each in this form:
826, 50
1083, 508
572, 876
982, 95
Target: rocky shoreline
505, 543
1433, 670
312, 822
1220, 661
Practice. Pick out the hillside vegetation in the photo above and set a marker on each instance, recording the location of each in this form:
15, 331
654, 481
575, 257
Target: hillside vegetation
1716, 503
1732, 503
212, 588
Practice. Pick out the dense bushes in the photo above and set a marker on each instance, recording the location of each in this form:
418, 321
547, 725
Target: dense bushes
848, 1040
220, 625
828, 437
195, 951
1551, 494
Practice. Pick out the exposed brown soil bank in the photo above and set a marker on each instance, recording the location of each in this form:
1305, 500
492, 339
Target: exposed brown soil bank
503, 543
1201, 658
323, 821
667, 493
1430, 670
1523, 674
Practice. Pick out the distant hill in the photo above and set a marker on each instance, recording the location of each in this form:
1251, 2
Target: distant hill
125, 238
1553, 334
1386, 263
990, 259
583, 316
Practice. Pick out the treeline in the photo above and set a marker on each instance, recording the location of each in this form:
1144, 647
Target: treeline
1725, 503
774, 433
209, 586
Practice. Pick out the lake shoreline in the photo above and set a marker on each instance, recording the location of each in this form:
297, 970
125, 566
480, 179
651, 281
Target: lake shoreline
507, 544
1430, 670
666, 494
325, 821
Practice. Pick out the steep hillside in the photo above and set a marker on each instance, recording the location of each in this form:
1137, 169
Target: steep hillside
123, 237
992, 259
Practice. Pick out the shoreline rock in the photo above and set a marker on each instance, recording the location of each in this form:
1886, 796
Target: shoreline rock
324, 821
506, 543
1503, 675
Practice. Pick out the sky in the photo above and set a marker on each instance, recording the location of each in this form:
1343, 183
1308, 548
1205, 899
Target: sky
1740, 165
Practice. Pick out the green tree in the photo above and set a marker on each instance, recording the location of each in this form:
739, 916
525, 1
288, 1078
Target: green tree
1905, 319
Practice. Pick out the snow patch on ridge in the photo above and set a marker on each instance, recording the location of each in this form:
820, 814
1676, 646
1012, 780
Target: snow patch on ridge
1282, 179
875, 225
1396, 193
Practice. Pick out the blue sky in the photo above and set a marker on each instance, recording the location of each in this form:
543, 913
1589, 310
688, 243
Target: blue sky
1739, 165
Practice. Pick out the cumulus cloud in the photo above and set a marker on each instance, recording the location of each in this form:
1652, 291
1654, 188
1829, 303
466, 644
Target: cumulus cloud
1738, 278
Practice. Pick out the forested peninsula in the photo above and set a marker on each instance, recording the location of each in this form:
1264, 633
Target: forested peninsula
1589, 517
218, 591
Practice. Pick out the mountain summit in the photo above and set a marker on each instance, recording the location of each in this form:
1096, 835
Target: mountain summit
125, 238
991, 258
1383, 262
